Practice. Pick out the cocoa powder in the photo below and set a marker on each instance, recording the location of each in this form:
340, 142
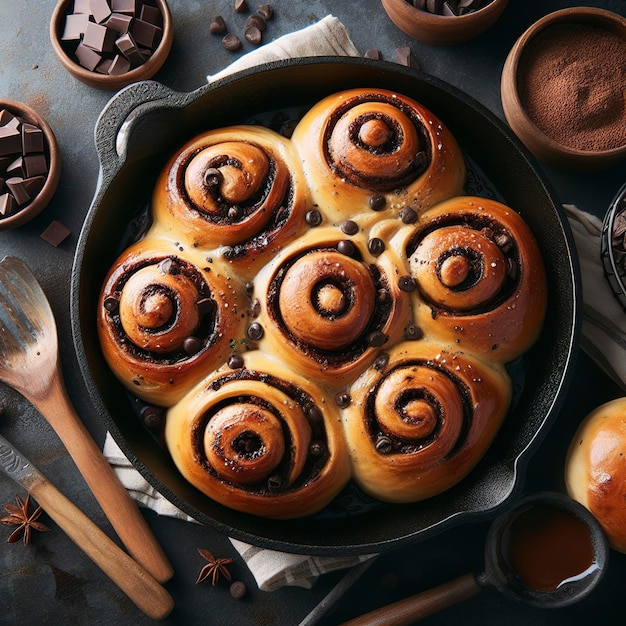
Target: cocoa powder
572, 84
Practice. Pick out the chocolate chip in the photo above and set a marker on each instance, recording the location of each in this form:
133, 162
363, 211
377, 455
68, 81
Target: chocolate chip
405, 57
266, 11
231, 42
503, 241
192, 345
350, 227
313, 413
169, 266
376, 339
258, 21
213, 178
235, 361
151, 416
241, 6
376, 246
343, 400
407, 283
377, 203
255, 331
238, 590
408, 215
381, 361
255, 308
373, 54
56, 233
384, 445
274, 482
313, 217
346, 247
253, 35
317, 449
112, 304
217, 25
413, 332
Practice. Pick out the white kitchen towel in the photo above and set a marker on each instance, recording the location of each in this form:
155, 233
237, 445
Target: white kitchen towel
604, 320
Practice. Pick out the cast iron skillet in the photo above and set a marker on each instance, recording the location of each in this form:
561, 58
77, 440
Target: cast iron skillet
148, 122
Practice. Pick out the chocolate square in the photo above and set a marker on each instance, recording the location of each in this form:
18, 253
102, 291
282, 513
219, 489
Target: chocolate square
119, 22
8, 206
87, 57
82, 6
75, 25
103, 66
10, 139
5, 117
151, 14
127, 46
18, 190
32, 139
119, 65
17, 168
99, 38
35, 165
123, 6
145, 34
56, 233
100, 10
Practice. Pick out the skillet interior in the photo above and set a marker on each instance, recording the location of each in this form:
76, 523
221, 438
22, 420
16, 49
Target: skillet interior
158, 121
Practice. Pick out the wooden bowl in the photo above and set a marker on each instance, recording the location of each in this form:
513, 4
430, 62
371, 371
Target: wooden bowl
53, 155
544, 147
105, 81
440, 30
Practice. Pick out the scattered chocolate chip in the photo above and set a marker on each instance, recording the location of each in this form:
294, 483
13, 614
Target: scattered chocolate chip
112, 304
405, 57
373, 54
274, 482
350, 227
408, 215
255, 331
313, 217
346, 247
376, 246
376, 339
241, 6
377, 203
413, 332
407, 283
152, 416
266, 11
235, 361
238, 590
317, 449
503, 241
381, 361
217, 25
192, 345
56, 233
253, 35
255, 308
343, 400
384, 445
231, 42
313, 413
258, 21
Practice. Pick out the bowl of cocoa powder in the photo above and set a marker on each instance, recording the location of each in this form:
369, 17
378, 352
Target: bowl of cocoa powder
563, 86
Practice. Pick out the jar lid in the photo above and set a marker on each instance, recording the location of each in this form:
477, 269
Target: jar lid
613, 246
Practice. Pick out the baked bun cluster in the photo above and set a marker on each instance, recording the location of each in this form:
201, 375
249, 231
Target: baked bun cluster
324, 307
595, 468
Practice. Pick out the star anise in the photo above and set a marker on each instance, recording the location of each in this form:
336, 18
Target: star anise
19, 516
214, 568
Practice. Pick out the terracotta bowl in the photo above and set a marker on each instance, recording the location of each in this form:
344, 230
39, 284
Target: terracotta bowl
106, 81
546, 148
440, 30
51, 149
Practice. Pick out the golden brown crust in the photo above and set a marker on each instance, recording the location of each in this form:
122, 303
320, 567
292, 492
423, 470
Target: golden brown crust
595, 468
417, 424
481, 284
260, 439
365, 148
165, 319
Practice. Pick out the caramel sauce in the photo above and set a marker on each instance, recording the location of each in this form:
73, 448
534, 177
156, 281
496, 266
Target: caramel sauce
547, 548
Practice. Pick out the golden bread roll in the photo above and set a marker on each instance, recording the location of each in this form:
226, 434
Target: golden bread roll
166, 319
595, 468
420, 420
260, 439
480, 278
366, 151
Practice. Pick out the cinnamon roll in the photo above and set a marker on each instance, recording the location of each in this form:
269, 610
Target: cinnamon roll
420, 420
164, 320
366, 151
479, 277
326, 306
239, 190
260, 439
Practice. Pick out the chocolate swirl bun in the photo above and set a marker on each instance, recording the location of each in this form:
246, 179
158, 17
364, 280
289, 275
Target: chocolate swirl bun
164, 320
417, 424
479, 276
238, 188
326, 308
260, 439
368, 150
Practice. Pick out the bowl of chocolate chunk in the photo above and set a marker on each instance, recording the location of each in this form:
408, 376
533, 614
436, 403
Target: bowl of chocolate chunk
109, 44
444, 22
563, 85
30, 164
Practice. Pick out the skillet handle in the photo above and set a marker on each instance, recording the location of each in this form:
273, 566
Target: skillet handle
117, 116
407, 611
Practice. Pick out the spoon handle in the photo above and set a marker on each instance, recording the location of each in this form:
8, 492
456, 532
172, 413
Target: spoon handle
121, 510
147, 594
409, 610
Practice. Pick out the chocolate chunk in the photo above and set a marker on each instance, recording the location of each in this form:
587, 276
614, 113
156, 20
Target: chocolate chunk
145, 34
127, 46
384, 445
381, 361
408, 215
192, 345
238, 589
32, 139
10, 140
169, 266
123, 6
376, 339
99, 37
241, 6
18, 190
75, 26
56, 233
255, 331
313, 217
82, 6
87, 57
258, 21
373, 54
377, 203
111, 304
350, 227
343, 400
151, 14
405, 57
407, 283
265, 11
35, 165
317, 449
217, 25
346, 247
231, 42
413, 332
314, 413
434, 6
253, 35
235, 361
16, 168
376, 246
100, 10
119, 65
8, 205
119, 23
